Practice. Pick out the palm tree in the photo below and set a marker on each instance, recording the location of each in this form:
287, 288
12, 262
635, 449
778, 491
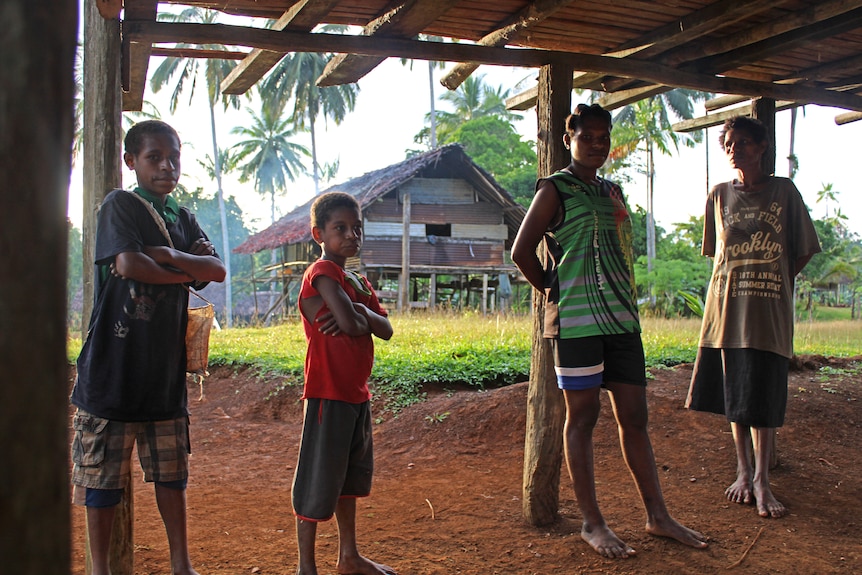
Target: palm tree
295, 77
431, 66
473, 99
271, 160
214, 71
649, 123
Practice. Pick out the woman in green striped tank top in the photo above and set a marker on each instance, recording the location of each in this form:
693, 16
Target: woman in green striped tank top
583, 223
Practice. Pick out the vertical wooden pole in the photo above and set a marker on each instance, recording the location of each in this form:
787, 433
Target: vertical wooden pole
36, 130
545, 407
764, 110
432, 292
404, 281
102, 172
484, 294
102, 130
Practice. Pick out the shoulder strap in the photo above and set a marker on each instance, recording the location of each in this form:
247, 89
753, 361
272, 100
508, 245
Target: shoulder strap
156, 217
162, 228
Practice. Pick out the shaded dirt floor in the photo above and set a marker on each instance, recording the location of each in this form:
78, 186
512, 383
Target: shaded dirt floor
447, 492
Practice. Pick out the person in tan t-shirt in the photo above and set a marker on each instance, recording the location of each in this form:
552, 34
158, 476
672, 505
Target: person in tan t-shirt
759, 232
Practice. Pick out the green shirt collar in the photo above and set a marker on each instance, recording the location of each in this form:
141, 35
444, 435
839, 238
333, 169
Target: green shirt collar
170, 211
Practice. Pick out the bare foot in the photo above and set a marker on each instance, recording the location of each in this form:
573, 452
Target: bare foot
740, 492
767, 504
605, 542
362, 566
673, 529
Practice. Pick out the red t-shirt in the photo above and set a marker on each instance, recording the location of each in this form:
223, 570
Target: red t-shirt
338, 367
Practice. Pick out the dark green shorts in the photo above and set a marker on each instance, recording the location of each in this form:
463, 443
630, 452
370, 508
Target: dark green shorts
336, 457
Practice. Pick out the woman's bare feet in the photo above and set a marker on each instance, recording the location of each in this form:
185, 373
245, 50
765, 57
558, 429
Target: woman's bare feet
673, 529
767, 504
605, 542
362, 566
740, 491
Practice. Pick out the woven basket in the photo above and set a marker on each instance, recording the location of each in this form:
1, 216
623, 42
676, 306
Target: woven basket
198, 338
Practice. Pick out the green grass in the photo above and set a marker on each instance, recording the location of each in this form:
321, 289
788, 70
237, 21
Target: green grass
469, 349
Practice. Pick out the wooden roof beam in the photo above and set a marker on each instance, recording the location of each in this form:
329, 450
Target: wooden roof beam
513, 29
136, 56
626, 97
197, 53
301, 17
158, 32
404, 21
848, 117
711, 120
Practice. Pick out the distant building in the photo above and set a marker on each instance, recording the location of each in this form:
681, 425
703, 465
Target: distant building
459, 221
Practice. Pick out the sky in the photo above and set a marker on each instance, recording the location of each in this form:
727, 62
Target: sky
390, 110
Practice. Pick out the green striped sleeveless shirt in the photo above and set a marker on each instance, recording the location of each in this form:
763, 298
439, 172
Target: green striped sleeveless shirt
591, 288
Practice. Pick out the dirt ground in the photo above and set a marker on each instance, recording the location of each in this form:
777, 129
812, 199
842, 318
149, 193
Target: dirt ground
447, 491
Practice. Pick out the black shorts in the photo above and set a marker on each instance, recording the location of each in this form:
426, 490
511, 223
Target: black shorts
748, 386
336, 457
588, 362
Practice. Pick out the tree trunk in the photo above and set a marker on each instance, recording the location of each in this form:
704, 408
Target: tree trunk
433, 111
315, 172
650, 219
37, 120
225, 235
545, 408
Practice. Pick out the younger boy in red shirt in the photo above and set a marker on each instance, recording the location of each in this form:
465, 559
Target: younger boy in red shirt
340, 313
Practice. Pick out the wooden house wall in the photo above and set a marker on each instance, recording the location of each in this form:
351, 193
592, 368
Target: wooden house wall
477, 231
480, 212
468, 255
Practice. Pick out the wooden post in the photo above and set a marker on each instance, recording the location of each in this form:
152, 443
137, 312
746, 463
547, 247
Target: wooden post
545, 407
404, 281
764, 110
36, 130
484, 294
102, 130
432, 292
102, 156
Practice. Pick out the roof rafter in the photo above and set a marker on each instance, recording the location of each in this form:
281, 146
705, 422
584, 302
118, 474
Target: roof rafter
758, 42
659, 41
301, 17
403, 21
683, 31
513, 29
157, 32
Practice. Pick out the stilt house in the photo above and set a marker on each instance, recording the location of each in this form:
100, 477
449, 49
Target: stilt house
437, 229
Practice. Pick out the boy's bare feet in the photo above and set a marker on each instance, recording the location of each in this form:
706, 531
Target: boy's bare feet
767, 504
605, 542
362, 566
740, 492
675, 530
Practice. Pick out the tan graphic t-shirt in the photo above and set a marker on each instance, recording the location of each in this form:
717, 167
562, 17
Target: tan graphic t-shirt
755, 237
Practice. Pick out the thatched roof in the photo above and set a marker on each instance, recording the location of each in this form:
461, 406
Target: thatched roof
449, 160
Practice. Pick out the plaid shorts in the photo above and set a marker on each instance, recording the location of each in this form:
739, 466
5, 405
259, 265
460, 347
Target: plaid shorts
102, 451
